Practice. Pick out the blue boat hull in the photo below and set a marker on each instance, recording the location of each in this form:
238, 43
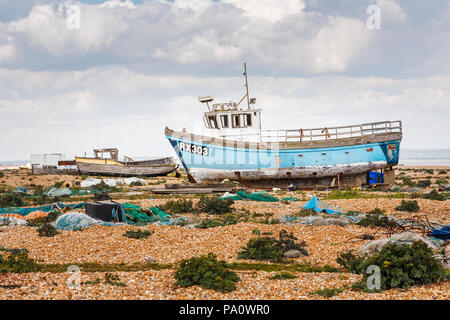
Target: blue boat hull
208, 161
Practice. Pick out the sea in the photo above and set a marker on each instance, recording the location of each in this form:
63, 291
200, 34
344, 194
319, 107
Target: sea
408, 157
424, 157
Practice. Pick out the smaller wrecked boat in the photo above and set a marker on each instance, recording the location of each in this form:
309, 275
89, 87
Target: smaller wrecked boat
111, 166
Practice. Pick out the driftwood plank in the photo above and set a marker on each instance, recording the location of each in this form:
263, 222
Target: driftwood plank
184, 191
220, 186
195, 188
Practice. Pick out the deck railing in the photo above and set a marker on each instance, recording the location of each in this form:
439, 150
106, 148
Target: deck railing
331, 133
326, 133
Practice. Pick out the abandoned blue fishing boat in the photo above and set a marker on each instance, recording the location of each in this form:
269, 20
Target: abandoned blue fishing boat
236, 148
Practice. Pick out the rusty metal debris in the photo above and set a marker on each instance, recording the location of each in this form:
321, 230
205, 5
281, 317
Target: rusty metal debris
419, 224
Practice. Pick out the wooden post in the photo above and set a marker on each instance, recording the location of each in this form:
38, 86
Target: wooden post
389, 175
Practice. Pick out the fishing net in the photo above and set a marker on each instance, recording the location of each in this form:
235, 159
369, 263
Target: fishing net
77, 221
92, 190
228, 195
140, 216
21, 190
59, 192
128, 213
47, 208
90, 182
137, 215
255, 196
7, 220
291, 198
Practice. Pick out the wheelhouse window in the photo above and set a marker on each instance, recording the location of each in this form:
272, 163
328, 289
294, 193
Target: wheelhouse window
236, 121
212, 122
224, 121
249, 119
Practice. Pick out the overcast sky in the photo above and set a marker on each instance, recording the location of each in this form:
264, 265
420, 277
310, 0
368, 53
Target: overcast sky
129, 68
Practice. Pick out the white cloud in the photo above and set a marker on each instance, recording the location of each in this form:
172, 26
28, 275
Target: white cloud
132, 69
271, 10
126, 109
204, 47
329, 48
283, 37
391, 12
333, 48
199, 32
7, 52
307, 43
46, 26
194, 5
118, 3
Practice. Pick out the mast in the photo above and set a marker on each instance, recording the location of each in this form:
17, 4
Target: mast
246, 84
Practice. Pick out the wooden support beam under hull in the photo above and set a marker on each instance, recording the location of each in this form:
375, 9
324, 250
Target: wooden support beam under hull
356, 180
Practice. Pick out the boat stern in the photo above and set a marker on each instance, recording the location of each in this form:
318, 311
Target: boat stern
391, 151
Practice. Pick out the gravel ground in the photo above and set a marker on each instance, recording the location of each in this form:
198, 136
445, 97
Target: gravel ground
435, 211
25, 178
169, 244
173, 243
157, 285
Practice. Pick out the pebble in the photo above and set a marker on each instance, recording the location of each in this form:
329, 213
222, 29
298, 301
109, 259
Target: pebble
171, 244
292, 254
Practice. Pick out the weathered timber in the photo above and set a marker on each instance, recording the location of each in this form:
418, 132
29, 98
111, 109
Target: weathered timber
194, 188
124, 170
218, 186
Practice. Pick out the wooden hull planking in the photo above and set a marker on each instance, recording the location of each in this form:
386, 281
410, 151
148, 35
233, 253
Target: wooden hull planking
124, 171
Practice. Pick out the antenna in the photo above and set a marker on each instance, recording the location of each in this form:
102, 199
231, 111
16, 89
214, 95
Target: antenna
207, 100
